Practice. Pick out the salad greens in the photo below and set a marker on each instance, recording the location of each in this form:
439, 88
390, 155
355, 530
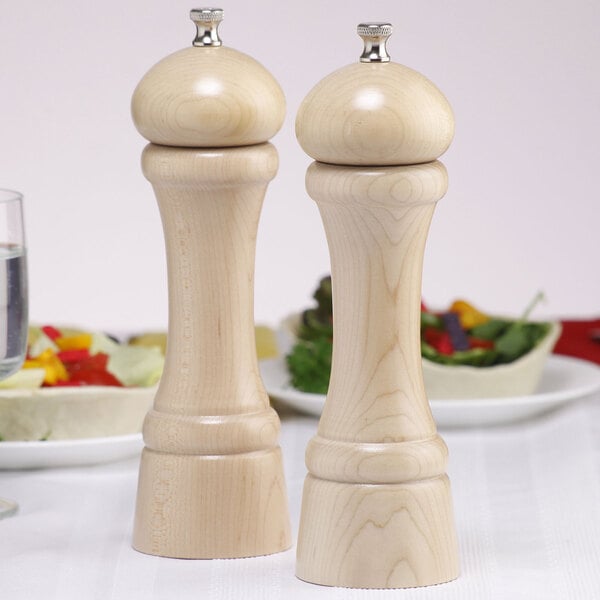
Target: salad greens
309, 361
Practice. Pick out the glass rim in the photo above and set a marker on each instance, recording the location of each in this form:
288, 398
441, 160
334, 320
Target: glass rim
7, 196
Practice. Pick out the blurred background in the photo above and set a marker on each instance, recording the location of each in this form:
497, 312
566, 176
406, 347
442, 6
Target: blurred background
521, 214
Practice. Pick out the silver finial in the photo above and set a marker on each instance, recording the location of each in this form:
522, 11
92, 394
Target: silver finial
207, 25
374, 36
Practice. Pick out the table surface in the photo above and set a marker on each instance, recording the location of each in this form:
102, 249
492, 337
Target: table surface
526, 500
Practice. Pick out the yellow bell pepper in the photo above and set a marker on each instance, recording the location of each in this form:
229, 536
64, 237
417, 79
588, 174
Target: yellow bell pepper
52, 365
81, 341
468, 315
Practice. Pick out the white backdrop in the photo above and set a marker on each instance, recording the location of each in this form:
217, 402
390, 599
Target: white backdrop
521, 213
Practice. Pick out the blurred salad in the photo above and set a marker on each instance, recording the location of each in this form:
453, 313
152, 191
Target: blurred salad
61, 357
460, 335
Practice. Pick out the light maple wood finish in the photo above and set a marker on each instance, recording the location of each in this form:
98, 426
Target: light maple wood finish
205, 97
376, 508
211, 481
375, 114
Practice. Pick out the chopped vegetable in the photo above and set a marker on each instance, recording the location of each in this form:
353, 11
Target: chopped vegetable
40, 342
469, 316
310, 365
439, 340
490, 330
158, 339
479, 343
92, 371
458, 335
51, 332
68, 357
135, 365
475, 357
25, 378
53, 367
102, 343
309, 361
428, 319
81, 341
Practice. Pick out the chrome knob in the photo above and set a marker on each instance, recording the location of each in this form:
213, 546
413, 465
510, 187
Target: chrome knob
207, 25
374, 36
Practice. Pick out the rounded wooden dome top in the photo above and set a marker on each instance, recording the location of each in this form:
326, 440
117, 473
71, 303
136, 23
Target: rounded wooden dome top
208, 95
375, 112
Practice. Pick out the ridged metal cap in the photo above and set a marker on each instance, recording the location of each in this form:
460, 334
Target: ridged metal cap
207, 22
374, 36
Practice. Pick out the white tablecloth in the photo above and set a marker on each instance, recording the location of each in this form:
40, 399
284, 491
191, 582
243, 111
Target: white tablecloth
526, 499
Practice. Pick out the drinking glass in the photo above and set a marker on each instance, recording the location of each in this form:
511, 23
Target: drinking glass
13, 295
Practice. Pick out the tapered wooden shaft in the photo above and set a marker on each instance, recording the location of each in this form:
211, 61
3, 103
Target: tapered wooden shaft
211, 483
376, 509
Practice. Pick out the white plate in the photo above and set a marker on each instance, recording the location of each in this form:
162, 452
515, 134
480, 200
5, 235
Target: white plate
69, 453
564, 379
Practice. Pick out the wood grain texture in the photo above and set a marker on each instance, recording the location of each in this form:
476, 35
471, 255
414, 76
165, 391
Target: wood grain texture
375, 114
376, 509
208, 97
211, 480
377, 536
193, 506
376, 221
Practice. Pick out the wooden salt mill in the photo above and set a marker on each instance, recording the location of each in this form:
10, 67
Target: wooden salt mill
376, 509
211, 482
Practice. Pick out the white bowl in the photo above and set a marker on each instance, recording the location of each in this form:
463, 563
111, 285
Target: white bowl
73, 412
518, 378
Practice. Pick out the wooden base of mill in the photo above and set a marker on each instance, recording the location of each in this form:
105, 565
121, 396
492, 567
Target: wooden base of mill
377, 536
211, 507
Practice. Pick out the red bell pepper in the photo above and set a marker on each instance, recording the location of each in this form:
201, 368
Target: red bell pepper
440, 340
479, 343
70, 356
92, 371
51, 332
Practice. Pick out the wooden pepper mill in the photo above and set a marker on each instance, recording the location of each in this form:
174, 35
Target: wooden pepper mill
211, 482
376, 509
